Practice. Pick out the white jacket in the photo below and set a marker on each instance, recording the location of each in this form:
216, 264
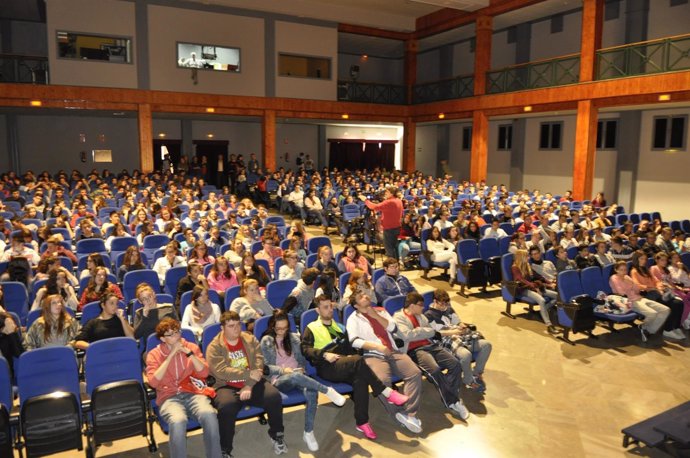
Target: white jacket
360, 331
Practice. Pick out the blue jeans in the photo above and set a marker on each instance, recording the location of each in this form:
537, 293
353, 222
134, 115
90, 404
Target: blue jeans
405, 246
309, 387
177, 409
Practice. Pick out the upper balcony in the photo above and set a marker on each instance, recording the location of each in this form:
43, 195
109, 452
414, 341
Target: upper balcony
15, 68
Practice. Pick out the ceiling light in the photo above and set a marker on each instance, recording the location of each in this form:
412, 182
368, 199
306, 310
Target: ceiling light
161, 135
209, 135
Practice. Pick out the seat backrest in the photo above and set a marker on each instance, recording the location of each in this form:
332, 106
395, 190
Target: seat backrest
506, 265
261, 325
593, 281
264, 263
467, 249
136, 277
307, 317
155, 241
209, 333
173, 277
569, 285
394, 303
256, 247
46, 370
111, 360
16, 298
314, 243
122, 243
343, 279
278, 290
87, 246
488, 248
311, 259
5, 384
231, 294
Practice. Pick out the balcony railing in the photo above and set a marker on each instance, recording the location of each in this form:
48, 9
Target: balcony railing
453, 88
647, 57
391, 94
15, 68
534, 75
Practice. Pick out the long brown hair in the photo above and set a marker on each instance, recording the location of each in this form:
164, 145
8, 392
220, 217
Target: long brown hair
62, 322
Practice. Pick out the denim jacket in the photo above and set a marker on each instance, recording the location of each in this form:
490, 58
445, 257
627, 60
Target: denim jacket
268, 348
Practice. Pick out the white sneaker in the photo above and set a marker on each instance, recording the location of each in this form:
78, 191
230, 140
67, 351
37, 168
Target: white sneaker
310, 440
335, 397
672, 335
679, 332
686, 323
411, 423
460, 409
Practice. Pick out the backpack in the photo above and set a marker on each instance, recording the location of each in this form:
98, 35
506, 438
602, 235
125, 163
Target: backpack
19, 270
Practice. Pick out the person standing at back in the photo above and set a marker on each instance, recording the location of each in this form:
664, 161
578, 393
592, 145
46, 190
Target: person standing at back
391, 209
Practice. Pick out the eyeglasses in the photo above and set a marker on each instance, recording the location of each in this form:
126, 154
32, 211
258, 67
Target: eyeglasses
171, 333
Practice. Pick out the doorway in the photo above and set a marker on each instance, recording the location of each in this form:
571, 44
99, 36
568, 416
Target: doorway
174, 149
215, 153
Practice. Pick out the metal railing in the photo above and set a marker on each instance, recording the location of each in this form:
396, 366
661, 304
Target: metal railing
452, 88
558, 71
655, 56
391, 94
15, 68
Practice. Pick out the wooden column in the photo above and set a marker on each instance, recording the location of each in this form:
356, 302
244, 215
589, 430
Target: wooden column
268, 155
145, 138
480, 146
585, 150
409, 149
482, 52
411, 48
592, 23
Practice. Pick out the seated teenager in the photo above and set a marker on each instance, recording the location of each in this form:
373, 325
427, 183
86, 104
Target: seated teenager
371, 330
167, 262
200, 312
353, 260
532, 287
57, 283
177, 370
112, 322
443, 251
55, 327
287, 371
10, 340
292, 269
221, 277
359, 281
392, 283
250, 305
97, 287
445, 321
147, 318
131, 262
326, 345
584, 258
237, 364
251, 270
422, 344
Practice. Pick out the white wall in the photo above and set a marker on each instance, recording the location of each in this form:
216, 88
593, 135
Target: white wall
53, 143
459, 159
99, 17
613, 31
549, 170
307, 40
502, 52
426, 149
374, 70
665, 21
167, 26
663, 183
545, 45
293, 138
498, 168
243, 137
463, 59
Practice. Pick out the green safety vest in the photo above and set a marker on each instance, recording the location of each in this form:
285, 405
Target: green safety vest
320, 331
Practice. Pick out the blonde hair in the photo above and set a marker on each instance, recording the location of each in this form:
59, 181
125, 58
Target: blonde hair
521, 261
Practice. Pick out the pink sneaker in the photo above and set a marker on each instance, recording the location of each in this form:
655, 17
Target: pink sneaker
367, 430
397, 398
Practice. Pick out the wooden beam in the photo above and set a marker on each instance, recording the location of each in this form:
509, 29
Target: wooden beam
590, 42
482, 53
409, 158
268, 129
585, 150
145, 138
480, 146
373, 32
447, 18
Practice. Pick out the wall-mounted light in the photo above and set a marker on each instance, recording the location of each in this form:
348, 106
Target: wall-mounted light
345, 116
664, 97
35, 103
210, 110
161, 135
209, 135
441, 116
527, 109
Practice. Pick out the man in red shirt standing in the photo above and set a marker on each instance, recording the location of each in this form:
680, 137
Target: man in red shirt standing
391, 209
